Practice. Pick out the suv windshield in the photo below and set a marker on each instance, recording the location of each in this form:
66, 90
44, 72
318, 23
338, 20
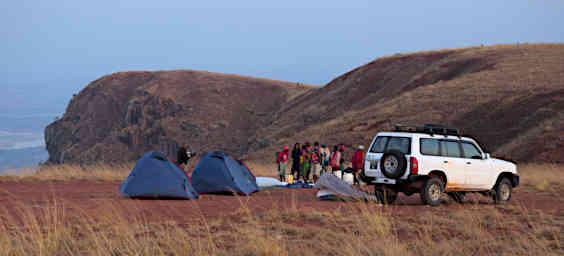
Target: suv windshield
385, 143
471, 151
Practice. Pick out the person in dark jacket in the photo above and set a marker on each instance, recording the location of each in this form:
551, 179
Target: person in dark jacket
296, 161
182, 155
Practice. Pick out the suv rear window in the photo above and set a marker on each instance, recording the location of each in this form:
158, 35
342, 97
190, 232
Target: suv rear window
385, 143
430, 147
379, 145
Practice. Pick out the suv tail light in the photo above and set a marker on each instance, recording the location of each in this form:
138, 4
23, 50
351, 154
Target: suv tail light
413, 165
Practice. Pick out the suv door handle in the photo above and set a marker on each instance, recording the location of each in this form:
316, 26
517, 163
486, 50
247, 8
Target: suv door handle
446, 162
468, 163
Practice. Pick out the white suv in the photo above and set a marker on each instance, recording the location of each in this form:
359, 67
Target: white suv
433, 159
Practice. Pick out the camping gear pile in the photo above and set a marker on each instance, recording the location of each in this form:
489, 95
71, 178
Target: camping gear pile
332, 187
156, 176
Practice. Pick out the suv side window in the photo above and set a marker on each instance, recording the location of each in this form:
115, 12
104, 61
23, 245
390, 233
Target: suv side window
450, 148
430, 147
379, 145
470, 150
401, 144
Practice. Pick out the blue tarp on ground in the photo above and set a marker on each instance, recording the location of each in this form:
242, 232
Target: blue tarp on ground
219, 172
299, 184
155, 176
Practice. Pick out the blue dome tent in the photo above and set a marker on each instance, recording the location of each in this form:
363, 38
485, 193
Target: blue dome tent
218, 172
155, 176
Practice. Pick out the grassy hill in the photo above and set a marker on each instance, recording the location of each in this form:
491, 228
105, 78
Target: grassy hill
510, 97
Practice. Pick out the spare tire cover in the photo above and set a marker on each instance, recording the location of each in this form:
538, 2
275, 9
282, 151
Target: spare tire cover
393, 164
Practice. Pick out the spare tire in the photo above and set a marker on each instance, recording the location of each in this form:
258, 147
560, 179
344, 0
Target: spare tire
393, 163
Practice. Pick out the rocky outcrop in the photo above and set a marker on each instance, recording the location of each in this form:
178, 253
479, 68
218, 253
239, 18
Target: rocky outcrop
121, 116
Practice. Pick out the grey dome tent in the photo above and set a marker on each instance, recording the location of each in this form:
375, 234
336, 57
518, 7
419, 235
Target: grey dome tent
218, 172
156, 176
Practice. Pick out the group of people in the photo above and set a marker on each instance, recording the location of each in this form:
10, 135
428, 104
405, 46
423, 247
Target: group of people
309, 162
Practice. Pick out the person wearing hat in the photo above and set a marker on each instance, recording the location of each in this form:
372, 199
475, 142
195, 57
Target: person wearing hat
358, 162
283, 162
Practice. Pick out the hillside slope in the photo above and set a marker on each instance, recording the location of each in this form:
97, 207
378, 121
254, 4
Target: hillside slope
511, 97
121, 116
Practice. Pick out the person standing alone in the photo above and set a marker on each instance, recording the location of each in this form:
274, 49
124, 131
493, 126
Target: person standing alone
182, 156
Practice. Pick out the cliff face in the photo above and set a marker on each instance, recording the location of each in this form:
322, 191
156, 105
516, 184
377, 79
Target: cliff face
121, 116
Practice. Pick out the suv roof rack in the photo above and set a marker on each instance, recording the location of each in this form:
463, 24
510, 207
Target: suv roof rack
430, 129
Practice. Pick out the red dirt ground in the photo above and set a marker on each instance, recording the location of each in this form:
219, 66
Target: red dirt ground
94, 198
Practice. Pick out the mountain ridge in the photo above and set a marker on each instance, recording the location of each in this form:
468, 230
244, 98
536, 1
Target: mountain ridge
508, 96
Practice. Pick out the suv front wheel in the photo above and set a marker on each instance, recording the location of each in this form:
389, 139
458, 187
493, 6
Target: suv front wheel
502, 192
432, 191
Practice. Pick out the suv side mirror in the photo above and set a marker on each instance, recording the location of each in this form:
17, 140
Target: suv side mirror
487, 155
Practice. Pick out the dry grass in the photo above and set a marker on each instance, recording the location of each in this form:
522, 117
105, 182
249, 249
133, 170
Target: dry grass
539, 177
542, 177
59, 228
107, 172
361, 229
265, 170
99, 172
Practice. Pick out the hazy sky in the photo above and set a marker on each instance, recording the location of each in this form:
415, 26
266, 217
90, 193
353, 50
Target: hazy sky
52, 49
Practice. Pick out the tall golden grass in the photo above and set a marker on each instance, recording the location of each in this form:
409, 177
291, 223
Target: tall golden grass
100, 172
61, 228
542, 177
361, 229
108, 172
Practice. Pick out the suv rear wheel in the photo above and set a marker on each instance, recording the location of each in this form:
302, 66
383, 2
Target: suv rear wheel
502, 191
432, 191
393, 164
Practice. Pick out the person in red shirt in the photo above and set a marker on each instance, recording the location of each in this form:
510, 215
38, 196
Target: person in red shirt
283, 162
358, 162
